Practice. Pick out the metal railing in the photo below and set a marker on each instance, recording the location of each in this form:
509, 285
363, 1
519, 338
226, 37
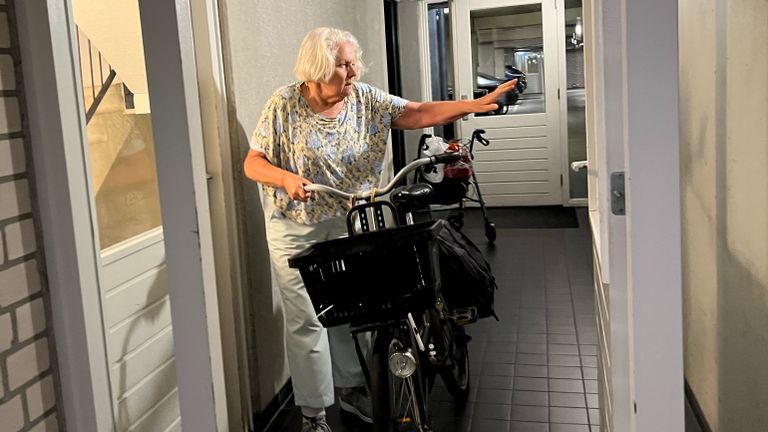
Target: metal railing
94, 74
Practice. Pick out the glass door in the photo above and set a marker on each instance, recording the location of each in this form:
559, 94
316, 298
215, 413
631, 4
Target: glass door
499, 41
124, 189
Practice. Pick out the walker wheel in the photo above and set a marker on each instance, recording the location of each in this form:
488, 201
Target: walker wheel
490, 232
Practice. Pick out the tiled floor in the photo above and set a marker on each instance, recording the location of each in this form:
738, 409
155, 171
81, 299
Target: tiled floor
536, 369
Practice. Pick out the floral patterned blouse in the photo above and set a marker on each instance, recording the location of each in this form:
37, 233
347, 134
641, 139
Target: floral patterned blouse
345, 152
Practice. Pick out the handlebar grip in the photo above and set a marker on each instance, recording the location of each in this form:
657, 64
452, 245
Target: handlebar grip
448, 157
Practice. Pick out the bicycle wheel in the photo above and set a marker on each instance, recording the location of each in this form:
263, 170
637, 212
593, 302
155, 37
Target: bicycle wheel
399, 404
450, 340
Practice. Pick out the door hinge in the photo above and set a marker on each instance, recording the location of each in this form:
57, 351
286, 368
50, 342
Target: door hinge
618, 205
561, 179
558, 94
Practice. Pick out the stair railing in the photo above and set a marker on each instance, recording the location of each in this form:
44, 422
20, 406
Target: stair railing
95, 61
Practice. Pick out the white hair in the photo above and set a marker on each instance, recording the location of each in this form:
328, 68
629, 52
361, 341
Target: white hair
317, 55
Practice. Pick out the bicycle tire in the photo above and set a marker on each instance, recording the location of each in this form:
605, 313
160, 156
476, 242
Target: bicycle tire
451, 341
455, 374
380, 381
388, 390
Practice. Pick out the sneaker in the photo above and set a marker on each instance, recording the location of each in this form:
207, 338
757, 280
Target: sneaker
314, 424
356, 401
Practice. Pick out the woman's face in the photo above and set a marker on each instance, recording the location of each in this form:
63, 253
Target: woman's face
344, 73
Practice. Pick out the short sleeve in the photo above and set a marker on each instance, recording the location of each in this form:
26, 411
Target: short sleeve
266, 136
388, 107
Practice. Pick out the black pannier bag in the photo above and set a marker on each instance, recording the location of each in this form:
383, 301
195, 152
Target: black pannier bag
466, 276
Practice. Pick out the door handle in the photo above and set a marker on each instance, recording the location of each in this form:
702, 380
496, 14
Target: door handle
579, 165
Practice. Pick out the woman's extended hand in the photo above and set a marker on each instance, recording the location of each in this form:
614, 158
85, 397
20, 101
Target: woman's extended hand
294, 186
487, 103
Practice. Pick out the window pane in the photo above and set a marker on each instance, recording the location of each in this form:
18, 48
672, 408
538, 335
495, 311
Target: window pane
120, 149
574, 60
441, 59
507, 43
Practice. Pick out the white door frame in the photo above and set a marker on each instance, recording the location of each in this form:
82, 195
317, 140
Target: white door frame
72, 259
53, 96
227, 224
178, 133
633, 127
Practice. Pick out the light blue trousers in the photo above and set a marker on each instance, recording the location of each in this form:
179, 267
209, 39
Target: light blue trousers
318, 358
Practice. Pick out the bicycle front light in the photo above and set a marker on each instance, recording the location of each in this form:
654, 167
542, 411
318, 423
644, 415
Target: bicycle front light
402, 364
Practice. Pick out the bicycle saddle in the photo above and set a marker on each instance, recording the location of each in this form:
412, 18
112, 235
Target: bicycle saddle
411, 197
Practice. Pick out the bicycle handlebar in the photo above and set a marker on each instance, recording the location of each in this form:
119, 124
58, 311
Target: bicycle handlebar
442, 158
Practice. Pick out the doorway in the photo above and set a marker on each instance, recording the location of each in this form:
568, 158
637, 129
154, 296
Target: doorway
120, 150
538, 129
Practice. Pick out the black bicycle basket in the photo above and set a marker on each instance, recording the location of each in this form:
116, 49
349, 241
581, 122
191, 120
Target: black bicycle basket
372, 277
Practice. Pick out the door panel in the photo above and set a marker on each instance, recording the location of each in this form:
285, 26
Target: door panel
124, 190
522, 165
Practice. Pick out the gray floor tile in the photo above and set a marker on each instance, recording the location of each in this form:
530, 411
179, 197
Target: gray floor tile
590, 373
589, 361
530, 413
562, 339
484, 425
568, 415
563, 349
594, 416
497, 396
560, 427
497, 347
566, 385
496, 382
532, 348
590, 386
452, 424
535, 398
498, 357
564, 360
443, 409
502, 337
533, 359
593, 401
533, 371
533, 384
569, 400
491, 411
570, 372
561, 329
534, 338
590, 350
560, 320
497, 369
516, 426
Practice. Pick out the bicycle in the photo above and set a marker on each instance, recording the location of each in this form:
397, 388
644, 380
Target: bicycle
418, 336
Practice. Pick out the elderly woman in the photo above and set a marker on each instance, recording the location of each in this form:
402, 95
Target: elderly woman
329, 128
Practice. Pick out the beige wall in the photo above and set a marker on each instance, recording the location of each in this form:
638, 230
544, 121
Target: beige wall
27, 377
260, 43
724, 157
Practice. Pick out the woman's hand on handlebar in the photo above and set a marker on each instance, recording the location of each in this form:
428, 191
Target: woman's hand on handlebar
294, 187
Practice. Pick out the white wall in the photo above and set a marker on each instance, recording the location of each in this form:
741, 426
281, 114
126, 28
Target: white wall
724, 154
410, 65
28, 375
260, 44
